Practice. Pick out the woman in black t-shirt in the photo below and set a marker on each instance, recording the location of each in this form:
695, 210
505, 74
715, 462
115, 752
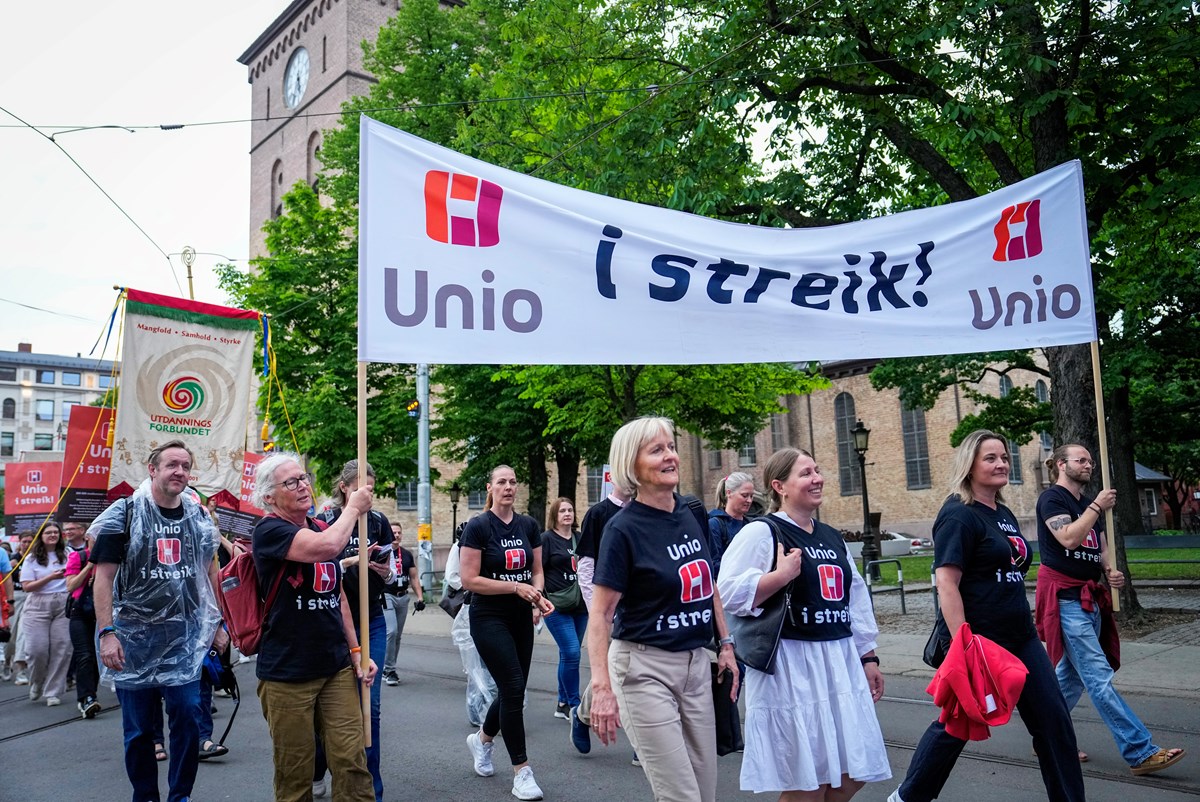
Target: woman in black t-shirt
654, 592
501, 564
568, 622
980, 560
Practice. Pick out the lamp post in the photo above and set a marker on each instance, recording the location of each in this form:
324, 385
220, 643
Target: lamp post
455, 492
870, 552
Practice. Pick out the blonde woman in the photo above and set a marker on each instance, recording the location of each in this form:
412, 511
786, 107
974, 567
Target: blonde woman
654, 575
980, 559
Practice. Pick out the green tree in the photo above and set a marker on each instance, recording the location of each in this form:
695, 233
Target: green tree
309, 288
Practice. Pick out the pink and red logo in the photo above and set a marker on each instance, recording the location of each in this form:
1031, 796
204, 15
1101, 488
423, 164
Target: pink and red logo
170, 550
462, 209
1019, 232
324, 577
514, 559
1090, 541
696, 582
1020, 550
833, 582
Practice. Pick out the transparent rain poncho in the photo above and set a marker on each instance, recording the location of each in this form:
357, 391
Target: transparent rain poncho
163, 604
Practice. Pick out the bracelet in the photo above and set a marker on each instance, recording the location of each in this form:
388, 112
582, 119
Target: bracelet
1094, 507
106, 631
871, 659
725, 641
355, 650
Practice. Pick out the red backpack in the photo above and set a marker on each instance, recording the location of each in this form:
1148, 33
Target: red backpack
242, 605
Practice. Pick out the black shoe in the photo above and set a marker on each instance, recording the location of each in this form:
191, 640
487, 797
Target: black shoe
581, 736
391, 678
89, 707
563, 711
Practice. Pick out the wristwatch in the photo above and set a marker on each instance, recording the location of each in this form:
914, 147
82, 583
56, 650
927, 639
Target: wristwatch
871, 659
725, 641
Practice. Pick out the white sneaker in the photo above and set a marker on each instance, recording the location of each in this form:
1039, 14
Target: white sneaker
6, 673
895, 797
53, 701
320, 789
22, 677
482, 754
35, 691
524, 786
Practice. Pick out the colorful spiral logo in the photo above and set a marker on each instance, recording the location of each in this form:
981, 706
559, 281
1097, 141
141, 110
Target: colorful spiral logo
183, 395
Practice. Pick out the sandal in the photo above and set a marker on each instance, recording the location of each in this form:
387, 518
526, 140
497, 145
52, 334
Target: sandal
210, 749
160, 753
1162, 759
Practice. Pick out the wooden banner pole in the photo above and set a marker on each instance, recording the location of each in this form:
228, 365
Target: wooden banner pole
1105, 478
364, 624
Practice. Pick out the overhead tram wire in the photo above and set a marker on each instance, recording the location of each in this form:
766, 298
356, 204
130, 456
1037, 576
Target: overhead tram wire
50, 138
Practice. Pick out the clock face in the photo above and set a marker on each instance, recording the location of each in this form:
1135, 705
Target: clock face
295, 78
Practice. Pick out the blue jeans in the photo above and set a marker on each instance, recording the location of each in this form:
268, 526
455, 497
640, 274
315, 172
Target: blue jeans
1084, 667
378, 641
205, 721
139, 710
1044, 714
568, 630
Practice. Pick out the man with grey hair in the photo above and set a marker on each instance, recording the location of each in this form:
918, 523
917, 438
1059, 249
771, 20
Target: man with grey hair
156, 608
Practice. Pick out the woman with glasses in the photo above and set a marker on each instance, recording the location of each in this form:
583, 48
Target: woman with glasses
47, 631
309, 662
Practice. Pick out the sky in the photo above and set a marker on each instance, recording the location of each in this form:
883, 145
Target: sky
63, 245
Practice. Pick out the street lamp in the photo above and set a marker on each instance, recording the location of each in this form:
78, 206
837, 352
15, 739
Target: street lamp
455, 492
870, 552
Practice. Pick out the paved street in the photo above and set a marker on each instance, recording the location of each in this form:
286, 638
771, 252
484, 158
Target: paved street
425, 728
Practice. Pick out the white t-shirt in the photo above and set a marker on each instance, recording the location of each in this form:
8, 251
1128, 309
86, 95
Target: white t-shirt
31, 570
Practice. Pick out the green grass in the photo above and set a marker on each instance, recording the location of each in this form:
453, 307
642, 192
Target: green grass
916, 567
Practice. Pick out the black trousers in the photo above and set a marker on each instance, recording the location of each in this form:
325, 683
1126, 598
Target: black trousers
503, 635
1045, 715
87, 671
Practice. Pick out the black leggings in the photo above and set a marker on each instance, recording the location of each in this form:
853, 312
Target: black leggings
503, 634
87, 672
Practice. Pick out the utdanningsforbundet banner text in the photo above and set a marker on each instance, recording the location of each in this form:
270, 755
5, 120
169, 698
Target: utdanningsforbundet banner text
187, 369
461, 261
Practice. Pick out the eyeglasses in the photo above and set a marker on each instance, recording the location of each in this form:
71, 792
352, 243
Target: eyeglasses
293, 484
1083, 461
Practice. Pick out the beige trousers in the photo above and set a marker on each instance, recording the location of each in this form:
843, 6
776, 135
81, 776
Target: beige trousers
666, 707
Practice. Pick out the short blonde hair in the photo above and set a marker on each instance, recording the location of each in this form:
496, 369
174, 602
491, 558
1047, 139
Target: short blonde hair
629, 439
964, 460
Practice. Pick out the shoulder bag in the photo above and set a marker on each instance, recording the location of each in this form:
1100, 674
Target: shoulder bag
570, 598
756, 639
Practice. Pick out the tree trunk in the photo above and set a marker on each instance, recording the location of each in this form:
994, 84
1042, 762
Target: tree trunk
538, 482
1128, 511
566, 461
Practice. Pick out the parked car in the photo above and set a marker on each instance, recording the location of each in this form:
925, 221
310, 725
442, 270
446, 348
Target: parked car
915, 544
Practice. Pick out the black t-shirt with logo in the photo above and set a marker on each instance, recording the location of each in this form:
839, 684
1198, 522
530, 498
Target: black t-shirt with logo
659, 562
560, 560
303, 638
1082, 562
821, 593
591, 531
988, 546
506, 554
379, 533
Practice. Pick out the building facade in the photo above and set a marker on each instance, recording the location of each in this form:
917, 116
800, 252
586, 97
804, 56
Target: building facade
37, 392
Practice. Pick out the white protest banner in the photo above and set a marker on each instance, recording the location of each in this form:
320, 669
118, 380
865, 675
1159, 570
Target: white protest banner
185, 375
461, 261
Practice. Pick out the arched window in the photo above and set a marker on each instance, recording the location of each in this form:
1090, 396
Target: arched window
844, 417
916, 447
1016, 474
313, 165
10, 409
1042, 391
277, 189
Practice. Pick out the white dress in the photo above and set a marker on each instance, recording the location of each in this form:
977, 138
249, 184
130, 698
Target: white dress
813, 720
